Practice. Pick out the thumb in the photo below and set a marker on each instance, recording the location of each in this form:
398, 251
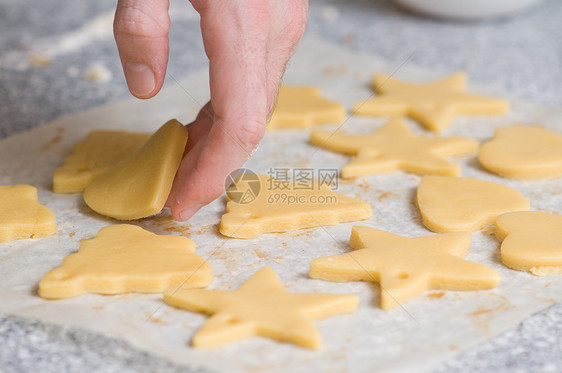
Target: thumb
141, 33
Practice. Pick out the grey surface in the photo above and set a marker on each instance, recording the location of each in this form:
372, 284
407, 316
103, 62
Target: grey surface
521, 55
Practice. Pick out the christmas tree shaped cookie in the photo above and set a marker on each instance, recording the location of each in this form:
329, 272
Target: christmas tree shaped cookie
127, 259
433, 104
260, 306
523, 152
93, 156
266, 205
457, 204
303, 107
406, 267
531, 241
139, 186
394, 147
22, 216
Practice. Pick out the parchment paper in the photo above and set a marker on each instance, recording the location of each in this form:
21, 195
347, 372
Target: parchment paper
426, 331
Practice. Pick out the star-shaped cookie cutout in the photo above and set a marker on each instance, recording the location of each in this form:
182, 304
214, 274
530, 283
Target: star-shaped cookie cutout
269, 205
127, 259
22, 216
463, 204
96, 154
139, 186
393, 147
433, 104
531, 241
260, 306
523, 152
406, 267
303, 107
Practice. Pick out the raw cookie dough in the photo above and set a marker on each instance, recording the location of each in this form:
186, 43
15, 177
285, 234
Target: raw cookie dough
281, 206
457, 204
394, 147
523, 152
303, 107
260, 306
531, 241
433, 104
127, 259
93, 156
405, 267
139, 186
22, 216
462, 204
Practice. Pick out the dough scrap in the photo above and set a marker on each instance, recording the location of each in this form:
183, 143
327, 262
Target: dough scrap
282, 210
394, 147
457, 204
523, 152
531, 241
139, 186
303, 107
125, 258
433, 104
22, 216
93, 156
260, 306
405, 267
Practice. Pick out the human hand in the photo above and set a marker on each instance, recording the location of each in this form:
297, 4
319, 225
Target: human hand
248, 43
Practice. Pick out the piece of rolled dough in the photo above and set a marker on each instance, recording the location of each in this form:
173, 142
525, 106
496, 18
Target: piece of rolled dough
139, 186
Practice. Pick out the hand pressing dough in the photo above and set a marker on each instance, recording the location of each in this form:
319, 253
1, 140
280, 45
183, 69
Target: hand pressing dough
303, 107
394, 147
462, 204
405, 267
127, 259
139, 186
260, 306
90, 158
531, 241
433, 104
523, 152
22, 216
287, 208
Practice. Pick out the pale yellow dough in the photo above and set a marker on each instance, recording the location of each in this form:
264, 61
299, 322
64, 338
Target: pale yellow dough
433, 104
127, 259
303, 107
456, 204
531, 241
281, 206
260, 306
523, 152
93, 156
139, 186
406, 267
22, 216
394, 147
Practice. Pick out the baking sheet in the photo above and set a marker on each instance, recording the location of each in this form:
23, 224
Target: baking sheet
424, 332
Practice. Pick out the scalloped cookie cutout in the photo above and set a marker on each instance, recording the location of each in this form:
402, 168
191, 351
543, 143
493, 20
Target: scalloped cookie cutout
278, 206
303, 107
433, 104
125, 258
406, 267
457, 204
139, 186
531, 241
393, 147
260, 306
523, 152
93, 156
22, 216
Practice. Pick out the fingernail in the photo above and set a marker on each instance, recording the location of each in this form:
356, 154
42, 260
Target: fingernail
140, 79
189, 212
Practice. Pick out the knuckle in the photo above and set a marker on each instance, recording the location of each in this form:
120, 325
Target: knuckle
250, 133
137, 19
